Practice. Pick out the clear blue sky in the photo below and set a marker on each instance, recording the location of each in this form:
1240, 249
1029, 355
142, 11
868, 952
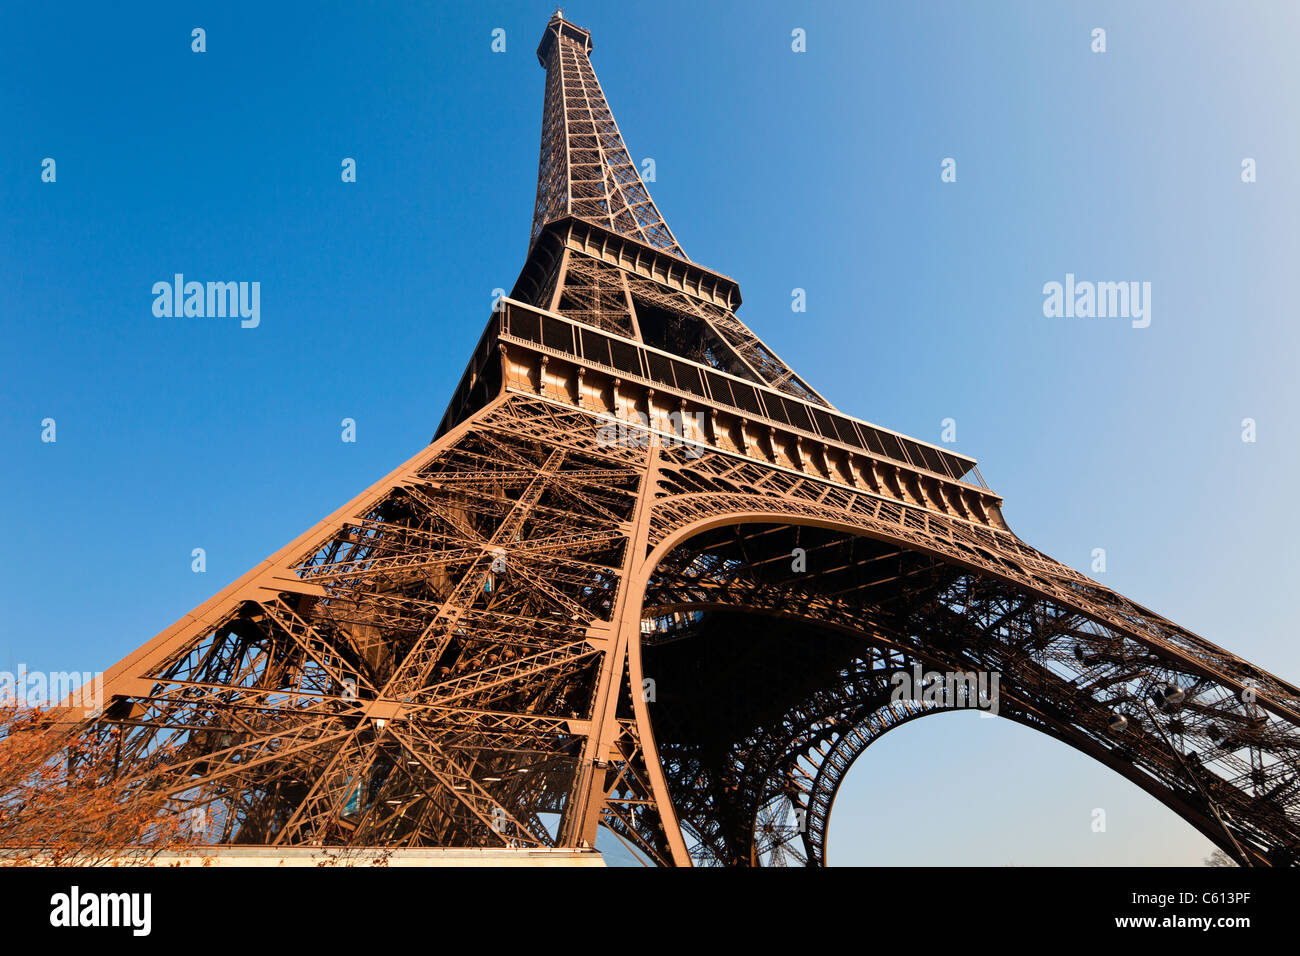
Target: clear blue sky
818, 170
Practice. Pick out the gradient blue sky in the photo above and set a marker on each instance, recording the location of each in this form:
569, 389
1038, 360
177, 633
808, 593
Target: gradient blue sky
817, 170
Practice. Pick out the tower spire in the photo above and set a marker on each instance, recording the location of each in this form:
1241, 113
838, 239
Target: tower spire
585, 170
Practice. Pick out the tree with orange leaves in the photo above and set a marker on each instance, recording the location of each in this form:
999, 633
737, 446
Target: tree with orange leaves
58, 807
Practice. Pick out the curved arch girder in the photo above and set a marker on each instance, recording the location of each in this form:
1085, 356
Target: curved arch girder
1202, 734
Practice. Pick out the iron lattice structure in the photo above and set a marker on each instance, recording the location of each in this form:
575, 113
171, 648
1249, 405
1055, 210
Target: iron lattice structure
577, 607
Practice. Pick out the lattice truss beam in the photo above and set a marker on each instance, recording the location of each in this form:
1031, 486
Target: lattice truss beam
1208, 734
422, 674
451, 660
608, 297
585, 170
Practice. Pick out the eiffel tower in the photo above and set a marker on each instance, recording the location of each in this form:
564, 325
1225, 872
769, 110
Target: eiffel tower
646, 578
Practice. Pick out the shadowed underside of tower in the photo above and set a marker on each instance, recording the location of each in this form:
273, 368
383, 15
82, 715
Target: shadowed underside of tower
645, 578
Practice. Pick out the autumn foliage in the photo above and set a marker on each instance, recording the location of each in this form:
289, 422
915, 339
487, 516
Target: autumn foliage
62, 803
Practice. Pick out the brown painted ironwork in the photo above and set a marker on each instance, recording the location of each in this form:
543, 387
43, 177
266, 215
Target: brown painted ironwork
577, 607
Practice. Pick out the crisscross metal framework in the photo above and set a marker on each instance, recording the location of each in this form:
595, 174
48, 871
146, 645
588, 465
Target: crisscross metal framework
645, 578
